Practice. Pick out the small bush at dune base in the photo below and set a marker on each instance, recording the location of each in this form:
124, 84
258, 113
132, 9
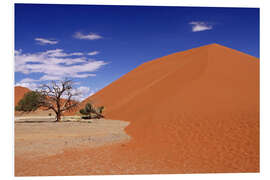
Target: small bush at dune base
89, 111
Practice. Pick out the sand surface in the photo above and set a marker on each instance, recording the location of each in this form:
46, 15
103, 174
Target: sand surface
39, 137
195, 111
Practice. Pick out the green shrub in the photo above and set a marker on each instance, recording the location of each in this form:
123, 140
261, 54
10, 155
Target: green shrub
100, 109
89, 111
31, 101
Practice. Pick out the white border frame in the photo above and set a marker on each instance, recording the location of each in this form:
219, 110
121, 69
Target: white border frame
7, 76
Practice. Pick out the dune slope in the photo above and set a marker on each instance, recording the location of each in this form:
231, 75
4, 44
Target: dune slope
200, 106
19, 93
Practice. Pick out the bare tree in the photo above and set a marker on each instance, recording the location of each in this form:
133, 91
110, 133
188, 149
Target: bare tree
58, 97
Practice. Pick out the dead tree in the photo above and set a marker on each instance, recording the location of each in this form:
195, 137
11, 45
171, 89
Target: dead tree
58, 97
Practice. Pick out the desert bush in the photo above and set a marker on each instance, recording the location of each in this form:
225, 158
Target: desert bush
31, 101
89, 111
100, 109
86, 111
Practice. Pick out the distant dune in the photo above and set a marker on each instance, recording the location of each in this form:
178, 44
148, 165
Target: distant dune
19, 93
200, 107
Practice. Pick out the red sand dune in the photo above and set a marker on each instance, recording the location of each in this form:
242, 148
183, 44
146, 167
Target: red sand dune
19, 93
199, 107
195, 111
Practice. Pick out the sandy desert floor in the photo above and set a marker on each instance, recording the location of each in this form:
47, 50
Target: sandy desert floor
37, 138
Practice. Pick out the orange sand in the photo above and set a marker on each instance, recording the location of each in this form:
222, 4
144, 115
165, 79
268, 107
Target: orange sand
195, 111
19, 93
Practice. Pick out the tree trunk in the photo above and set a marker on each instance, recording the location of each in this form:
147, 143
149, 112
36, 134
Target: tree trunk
58, 117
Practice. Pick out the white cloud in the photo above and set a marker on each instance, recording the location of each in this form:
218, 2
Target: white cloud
55, 65
17, 51
29, 85
92, 93
84, 92
93, 53
28, 80
90, 36
50, 78
200, 26
76, 54
61, 53
43, 41
83, 89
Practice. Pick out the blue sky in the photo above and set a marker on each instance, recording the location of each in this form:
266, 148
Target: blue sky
95, 45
